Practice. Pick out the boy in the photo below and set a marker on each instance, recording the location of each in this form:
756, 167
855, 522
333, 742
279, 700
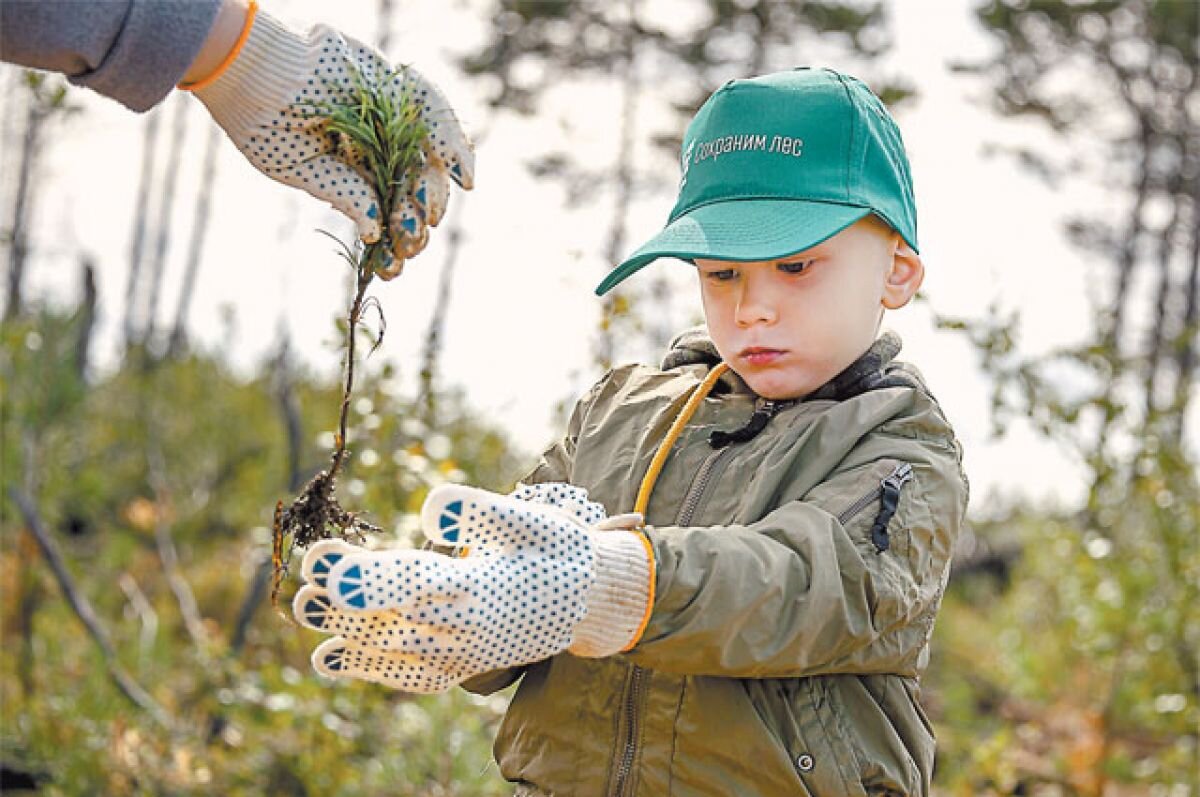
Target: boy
765, 632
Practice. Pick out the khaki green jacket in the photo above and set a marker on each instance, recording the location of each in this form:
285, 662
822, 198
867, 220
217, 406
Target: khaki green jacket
792, 615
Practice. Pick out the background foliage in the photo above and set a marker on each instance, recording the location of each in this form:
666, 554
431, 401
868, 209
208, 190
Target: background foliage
1066, 656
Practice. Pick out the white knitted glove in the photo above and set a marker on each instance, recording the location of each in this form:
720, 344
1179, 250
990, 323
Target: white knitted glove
574, 499
264, 102
535, 580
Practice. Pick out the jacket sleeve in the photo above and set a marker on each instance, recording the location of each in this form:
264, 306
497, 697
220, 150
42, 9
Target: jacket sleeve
554, 466
807, 590
133, 51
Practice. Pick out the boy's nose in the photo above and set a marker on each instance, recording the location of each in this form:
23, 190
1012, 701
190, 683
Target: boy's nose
754, 306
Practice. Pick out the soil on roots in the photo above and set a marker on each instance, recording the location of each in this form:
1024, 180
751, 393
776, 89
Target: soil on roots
314, 515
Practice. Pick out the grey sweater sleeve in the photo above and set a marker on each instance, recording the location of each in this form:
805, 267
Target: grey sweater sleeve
134, 51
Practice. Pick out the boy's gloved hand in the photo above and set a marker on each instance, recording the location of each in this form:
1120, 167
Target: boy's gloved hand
263, 102
574, 499
535, 580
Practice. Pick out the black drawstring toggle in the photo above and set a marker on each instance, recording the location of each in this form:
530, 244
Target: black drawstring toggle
763, 413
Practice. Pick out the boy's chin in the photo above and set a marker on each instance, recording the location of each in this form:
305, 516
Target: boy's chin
773, 388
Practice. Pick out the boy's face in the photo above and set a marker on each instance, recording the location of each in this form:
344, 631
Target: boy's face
788, 326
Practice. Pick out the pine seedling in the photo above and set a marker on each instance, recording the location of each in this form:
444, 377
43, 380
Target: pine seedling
381, 133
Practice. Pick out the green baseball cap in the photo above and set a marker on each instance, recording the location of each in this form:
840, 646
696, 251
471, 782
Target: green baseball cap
774, 165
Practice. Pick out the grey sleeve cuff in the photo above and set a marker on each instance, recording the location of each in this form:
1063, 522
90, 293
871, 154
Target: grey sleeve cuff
133, 51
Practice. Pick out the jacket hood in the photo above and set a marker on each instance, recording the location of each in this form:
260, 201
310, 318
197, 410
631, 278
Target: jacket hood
691, 347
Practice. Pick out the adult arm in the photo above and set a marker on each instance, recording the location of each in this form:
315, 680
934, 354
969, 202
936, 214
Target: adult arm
260, 81
134, 51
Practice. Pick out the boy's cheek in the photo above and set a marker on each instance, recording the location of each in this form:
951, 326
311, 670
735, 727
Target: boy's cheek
713, 328
723, 342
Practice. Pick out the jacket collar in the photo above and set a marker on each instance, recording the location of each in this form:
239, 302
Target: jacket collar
865, 373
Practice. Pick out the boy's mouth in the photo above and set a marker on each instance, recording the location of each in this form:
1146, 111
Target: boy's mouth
760, 355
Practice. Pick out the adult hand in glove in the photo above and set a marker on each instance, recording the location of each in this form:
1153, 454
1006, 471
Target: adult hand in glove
264, 100
535, 579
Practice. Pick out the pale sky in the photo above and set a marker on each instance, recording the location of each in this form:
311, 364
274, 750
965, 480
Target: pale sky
523, 313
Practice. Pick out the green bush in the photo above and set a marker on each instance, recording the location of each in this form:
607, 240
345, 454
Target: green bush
187, 446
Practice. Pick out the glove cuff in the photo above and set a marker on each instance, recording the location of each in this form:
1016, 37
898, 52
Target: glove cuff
264, 75
621, 596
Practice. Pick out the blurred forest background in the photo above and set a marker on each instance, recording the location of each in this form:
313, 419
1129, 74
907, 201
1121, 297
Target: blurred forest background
139, 653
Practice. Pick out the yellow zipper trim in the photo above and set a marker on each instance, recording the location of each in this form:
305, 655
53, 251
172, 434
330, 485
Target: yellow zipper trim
681, 421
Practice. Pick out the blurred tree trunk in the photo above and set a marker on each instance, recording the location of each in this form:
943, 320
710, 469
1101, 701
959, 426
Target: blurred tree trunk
85, 317
289, 407
384, 38
43, 99
1157, 340
427, 390
141, 214
166, 205
1190, 334
614, 304
208, 179
17, 232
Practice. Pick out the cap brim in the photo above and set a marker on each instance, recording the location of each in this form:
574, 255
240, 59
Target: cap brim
741, 229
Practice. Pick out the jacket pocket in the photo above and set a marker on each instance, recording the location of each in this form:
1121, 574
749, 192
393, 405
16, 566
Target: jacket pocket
796, 712
883, 498
896, 744
731, 738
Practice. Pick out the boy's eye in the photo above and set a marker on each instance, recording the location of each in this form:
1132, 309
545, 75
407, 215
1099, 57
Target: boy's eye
721, 275
796, 266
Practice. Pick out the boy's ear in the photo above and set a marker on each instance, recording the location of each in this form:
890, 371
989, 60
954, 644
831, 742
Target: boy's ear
905, 276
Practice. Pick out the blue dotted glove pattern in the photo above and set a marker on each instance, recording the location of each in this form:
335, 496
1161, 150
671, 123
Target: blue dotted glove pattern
421, 621
566, 497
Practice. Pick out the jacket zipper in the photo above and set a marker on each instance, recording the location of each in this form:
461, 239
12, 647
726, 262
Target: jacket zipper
888, 496
699, 484
633, 694
691, 501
